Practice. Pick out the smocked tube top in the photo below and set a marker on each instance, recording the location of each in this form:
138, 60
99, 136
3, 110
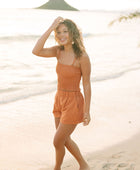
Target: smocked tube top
69, 77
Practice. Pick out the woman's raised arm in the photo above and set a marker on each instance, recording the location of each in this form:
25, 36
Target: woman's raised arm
39, 49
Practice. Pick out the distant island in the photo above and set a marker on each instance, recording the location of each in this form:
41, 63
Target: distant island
57, 5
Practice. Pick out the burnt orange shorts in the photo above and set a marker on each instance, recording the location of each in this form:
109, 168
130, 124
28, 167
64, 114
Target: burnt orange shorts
69, 107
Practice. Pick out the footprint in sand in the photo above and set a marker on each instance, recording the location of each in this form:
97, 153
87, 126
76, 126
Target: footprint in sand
132, 167
122, 165
108, 166
126, 165
118, 155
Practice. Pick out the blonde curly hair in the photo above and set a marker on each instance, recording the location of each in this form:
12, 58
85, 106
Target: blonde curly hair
76, 37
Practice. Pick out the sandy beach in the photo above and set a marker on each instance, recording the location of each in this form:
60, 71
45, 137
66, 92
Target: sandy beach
111, 141
123, 156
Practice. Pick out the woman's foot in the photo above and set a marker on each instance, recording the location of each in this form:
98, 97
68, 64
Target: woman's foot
84, 167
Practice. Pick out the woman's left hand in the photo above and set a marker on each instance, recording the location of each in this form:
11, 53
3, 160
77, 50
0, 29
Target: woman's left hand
86, 119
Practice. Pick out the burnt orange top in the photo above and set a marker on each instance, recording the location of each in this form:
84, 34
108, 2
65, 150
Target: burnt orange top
69, 77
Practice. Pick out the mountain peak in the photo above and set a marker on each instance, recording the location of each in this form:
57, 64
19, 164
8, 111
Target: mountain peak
57, 5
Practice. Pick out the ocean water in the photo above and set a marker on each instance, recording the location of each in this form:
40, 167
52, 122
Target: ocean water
113, 51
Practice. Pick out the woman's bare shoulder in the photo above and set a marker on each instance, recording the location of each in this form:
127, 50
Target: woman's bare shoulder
84, 58
85, 65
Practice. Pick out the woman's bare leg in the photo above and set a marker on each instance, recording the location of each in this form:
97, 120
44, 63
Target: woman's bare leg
74, 150
62, 133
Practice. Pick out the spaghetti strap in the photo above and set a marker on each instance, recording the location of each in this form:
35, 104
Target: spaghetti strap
58, 54
73, 61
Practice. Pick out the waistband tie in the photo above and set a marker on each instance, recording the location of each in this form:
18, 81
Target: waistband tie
66, 90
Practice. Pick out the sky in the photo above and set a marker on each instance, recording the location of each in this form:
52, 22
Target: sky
80, 4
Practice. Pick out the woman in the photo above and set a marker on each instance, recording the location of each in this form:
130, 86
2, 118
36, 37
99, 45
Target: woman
70, 108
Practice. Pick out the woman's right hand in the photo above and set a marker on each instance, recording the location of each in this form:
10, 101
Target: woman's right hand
56, 22
39, 49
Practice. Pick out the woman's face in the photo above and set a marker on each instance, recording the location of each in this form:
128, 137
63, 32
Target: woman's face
62, 35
